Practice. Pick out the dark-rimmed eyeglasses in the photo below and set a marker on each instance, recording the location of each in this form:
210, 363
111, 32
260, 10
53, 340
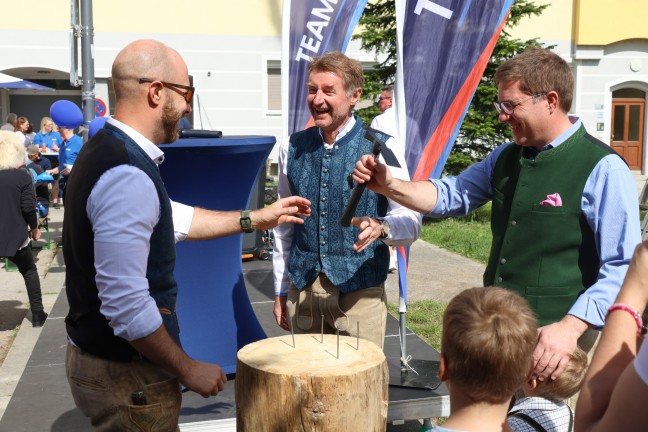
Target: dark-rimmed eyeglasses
188, 95
384, 98
507, 107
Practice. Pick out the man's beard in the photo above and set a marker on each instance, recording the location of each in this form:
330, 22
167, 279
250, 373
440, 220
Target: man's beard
170, 123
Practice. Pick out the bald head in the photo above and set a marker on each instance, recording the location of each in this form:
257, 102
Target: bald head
145, 58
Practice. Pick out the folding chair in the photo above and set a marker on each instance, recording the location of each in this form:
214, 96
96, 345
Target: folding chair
43, 225
9, 267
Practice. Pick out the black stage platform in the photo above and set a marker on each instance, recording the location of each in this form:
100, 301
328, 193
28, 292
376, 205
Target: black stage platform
42, 401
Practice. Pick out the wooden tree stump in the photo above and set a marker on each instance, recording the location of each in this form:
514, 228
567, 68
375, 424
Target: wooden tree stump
306, 388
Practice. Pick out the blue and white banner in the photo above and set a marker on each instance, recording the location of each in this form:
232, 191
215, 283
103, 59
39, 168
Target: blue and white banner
310, 29
444, 47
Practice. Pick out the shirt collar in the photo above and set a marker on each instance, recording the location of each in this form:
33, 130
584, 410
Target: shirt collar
345, 129
576, 124
147, 145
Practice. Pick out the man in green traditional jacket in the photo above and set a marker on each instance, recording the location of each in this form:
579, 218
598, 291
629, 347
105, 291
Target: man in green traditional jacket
565, 218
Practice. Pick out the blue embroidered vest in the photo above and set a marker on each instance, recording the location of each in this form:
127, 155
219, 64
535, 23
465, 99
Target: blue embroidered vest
321, 244
86, 326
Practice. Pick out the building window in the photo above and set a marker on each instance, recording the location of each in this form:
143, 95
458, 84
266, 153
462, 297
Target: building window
274, 86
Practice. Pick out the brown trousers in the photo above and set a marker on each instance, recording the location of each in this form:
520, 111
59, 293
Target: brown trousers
103, 390
340, 311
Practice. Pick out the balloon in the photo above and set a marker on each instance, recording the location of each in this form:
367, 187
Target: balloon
96, 124
66, 114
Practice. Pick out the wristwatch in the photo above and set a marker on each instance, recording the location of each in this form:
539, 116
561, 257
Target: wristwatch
246, 223
384, 228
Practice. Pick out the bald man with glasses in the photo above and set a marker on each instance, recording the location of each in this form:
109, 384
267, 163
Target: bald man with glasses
124, 361
564, 215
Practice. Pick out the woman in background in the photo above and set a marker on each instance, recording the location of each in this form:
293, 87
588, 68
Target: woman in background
48, 139
22, 124
18, 203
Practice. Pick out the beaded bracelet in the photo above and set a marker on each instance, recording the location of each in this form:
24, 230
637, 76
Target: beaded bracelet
641, 329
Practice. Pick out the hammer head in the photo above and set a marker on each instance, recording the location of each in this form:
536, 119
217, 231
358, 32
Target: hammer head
377, 144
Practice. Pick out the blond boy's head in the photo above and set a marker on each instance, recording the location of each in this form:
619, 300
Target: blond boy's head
488, 338
566, 385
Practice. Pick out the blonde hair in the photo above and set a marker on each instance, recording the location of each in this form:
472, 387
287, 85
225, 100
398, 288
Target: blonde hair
44, 121
488, 338
12, 151
568, 383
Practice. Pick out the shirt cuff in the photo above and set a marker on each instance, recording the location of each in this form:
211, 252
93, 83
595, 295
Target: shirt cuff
182, 217
589, 311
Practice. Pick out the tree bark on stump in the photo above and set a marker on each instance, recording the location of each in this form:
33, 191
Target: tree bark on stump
308, 388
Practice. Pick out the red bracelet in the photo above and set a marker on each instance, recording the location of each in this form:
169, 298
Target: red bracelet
636, 315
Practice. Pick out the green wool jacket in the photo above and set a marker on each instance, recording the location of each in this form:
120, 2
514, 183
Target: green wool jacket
547, 254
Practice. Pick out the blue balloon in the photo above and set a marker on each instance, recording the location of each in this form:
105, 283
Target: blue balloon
96, 124
66, 114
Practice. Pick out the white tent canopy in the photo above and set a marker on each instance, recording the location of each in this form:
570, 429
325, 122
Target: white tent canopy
10, 82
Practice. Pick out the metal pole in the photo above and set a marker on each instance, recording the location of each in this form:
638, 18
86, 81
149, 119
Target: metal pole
74, 46
87, 66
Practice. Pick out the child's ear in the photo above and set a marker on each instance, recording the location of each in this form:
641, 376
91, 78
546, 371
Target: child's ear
531, 384
443, 368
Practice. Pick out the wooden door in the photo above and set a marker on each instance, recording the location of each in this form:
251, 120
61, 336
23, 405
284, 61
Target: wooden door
628, 130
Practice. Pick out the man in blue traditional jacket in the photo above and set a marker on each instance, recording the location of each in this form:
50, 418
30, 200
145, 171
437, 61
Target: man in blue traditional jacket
565, 216
322, 268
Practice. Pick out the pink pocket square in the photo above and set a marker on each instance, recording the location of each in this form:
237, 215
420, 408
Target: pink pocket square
552, 200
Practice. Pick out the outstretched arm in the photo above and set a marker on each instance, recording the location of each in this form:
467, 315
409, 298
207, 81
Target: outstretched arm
209, 224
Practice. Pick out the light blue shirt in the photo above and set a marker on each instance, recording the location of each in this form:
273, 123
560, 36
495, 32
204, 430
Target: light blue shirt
48, 139
609, 204
69, 151
123, 223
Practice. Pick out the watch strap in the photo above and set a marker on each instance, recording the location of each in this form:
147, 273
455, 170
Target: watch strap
246, 222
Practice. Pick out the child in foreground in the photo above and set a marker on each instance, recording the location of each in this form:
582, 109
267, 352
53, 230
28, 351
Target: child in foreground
543, 407
488, 338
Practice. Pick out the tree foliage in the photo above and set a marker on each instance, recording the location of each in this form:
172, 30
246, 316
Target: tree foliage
481, 130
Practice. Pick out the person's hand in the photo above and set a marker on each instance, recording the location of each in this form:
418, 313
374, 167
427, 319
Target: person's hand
206, 379
285, 210
556, 344
55, 147
281, 313
376, 174
35, 233
370, 230
66, 171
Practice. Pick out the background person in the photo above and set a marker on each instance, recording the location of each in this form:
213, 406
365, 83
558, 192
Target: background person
565, 214
41, 187
321, 267
18, 203
10, 124
48, 139
68, 152
20, 129
386, 122
119, 232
